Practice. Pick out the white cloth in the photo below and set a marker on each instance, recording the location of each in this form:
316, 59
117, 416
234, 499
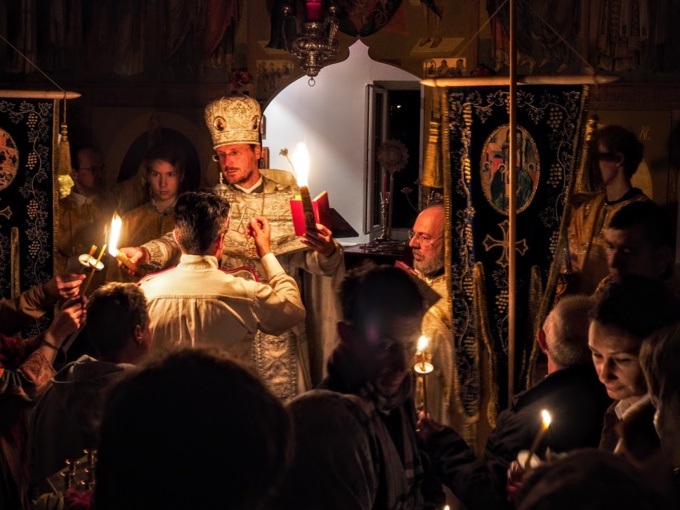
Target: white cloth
196, 303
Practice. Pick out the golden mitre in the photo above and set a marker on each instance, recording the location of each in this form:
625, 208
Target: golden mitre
234, 119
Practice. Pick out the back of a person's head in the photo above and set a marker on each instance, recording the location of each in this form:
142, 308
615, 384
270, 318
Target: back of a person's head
372, 295
588, 480
638, 305
113, 312
619, 139
652, 220
660, 359
566, 330
200, 218
191, 429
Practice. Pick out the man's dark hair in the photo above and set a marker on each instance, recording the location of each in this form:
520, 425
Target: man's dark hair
191, 429
371, 296
169, 153
652, 219
619, 139
75, 153
200, 218
113, 312
636, 304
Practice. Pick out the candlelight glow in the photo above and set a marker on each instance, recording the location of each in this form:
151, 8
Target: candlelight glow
423, 342
547, 419
116, 224
301, 164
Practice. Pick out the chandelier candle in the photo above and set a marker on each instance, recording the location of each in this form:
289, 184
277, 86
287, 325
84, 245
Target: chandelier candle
313, 10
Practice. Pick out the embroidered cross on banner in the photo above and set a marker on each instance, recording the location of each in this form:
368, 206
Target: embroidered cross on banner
489, 242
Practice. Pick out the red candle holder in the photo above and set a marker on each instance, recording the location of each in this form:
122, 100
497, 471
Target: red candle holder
313, 10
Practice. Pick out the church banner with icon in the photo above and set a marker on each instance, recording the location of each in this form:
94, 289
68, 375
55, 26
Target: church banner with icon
550, 121
28, 140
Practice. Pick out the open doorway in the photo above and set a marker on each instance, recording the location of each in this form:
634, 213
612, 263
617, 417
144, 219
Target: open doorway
394, 115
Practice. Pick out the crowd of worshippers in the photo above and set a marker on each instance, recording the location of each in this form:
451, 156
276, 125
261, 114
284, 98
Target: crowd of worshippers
175, 410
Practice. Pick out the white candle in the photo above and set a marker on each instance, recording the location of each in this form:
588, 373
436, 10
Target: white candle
301, 165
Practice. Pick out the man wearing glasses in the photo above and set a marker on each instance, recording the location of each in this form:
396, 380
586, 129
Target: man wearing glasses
427, 243
283, 361
618, 153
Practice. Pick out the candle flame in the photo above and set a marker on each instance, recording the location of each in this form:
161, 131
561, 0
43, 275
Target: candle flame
301, 164
116, 224
446, 507
423, 342
547, 419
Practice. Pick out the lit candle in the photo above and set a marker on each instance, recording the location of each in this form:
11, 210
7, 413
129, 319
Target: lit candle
116, 225
313, 10
301, 165
545, 415
423, 367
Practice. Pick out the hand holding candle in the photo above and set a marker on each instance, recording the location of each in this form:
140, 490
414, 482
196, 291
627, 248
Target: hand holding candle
116, 225
423, 367
547, 419
301, 165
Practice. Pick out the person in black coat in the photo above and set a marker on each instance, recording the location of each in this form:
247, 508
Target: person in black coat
571, 393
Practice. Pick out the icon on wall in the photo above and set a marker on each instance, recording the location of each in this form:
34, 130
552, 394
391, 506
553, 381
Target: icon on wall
444, 67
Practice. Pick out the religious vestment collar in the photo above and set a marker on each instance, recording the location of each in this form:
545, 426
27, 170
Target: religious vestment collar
255, 188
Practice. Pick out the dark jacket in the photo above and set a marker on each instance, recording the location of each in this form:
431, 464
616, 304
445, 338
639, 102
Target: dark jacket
576, 401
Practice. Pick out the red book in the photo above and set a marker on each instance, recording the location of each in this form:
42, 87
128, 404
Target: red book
322, 212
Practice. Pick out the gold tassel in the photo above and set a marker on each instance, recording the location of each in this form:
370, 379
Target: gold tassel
64, 159
432, 171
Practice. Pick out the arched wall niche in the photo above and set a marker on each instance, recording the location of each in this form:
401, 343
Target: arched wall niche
331, 119
128, 125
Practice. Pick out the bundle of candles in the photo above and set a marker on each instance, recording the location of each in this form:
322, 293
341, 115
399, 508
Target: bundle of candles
88, 262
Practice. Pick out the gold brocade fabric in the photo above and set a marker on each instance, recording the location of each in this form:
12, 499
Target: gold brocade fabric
587, 250
237, 245
437, 328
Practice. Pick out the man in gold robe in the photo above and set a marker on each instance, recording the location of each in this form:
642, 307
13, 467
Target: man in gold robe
85, 213
618, 153
315, 260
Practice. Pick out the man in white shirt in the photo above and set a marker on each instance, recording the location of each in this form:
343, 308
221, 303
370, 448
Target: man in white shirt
197, 303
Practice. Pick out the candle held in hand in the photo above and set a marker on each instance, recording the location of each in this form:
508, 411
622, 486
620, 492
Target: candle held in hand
116, 226
423, 367
546, 420
301, 165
